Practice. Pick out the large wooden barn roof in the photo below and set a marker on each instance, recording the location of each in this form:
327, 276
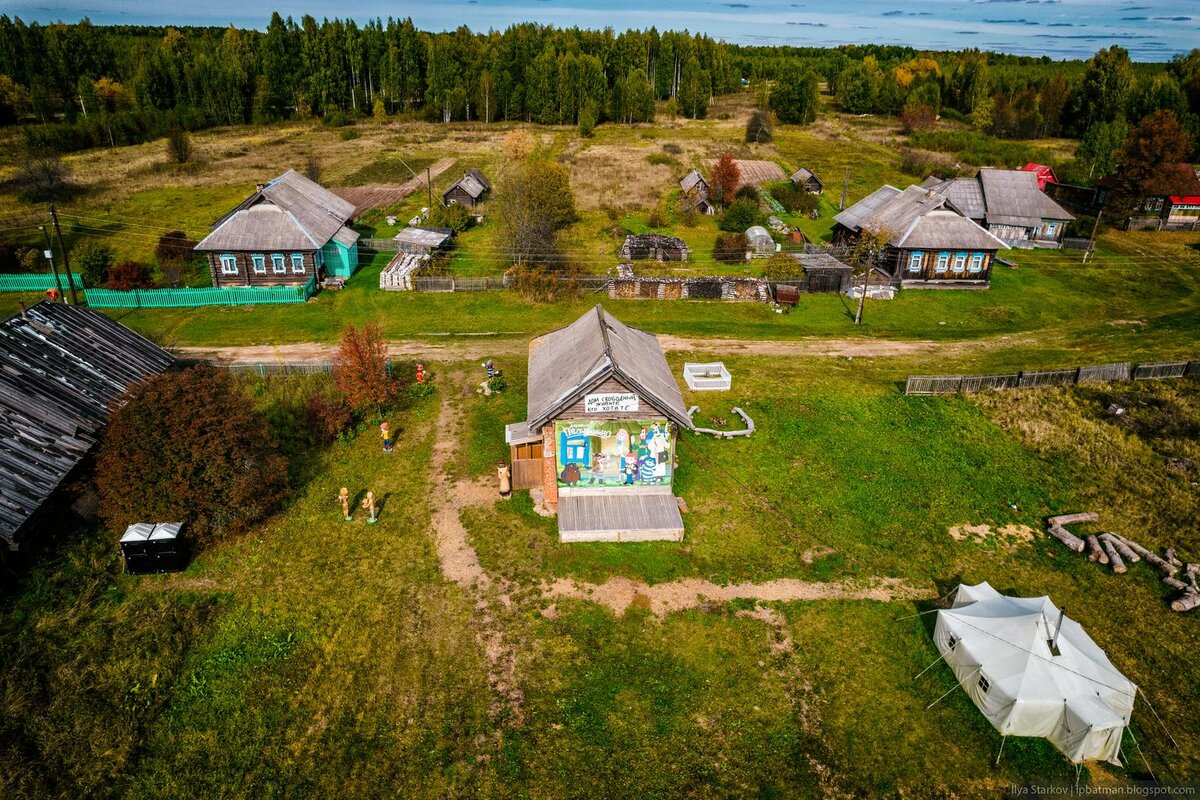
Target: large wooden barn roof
1000, 197
62, 370
567, 363
917, 218
289, 213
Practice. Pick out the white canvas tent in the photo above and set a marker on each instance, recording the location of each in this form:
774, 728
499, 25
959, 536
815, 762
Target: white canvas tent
1000, 649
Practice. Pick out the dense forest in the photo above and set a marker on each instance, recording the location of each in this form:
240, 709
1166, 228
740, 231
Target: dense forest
80, 85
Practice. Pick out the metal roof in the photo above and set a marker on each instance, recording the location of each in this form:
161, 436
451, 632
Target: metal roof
1013, 198
965, 194
854, 216
425, 237
803, 174
565, 364
943, 229
820, 261
62, 369
473, 183
917, 218
289, 213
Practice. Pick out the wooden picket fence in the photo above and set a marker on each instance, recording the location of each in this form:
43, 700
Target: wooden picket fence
36, 281
1032, 379
193, 298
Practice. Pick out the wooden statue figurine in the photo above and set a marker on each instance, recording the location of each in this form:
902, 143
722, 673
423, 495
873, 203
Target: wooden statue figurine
386, 434
344, 498
420, 373
369, 504
502, 472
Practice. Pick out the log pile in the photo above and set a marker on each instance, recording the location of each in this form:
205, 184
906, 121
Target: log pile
1117, 552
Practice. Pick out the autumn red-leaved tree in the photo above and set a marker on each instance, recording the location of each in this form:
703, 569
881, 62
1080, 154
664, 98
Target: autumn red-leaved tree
725, 178
189, 446
360, 371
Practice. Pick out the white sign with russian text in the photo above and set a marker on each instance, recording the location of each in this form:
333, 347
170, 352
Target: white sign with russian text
609, 402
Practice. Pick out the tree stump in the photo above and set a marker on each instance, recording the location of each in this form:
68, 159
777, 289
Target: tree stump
1066, 537
1114, 558
1125, 550
1097, 552
1071, 519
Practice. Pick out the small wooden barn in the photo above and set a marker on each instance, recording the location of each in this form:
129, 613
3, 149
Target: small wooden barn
62, 371
693, 194
282, 235
603, 413
653, 247
467, 190
804, 178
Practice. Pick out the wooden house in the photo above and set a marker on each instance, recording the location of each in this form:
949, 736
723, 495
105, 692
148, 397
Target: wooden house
693, 194
653, 247
1009, 204
598, 442
930, 242
467, 190
62, 371
1169, 202
806, 179
288, 231
423, 241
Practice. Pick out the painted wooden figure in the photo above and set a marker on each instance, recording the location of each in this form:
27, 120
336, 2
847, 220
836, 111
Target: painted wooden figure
505, 476
420, 373
369, 504
344, 498
386, 434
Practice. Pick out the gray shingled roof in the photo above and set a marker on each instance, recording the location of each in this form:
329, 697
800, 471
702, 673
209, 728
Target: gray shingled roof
917, 218
803, 174
473, 183
1013, 198
289, 213
965, 194
565, 364
690, 180
425, 237
62, 369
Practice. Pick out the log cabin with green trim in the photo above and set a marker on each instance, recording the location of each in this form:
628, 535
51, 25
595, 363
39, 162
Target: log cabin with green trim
288, 231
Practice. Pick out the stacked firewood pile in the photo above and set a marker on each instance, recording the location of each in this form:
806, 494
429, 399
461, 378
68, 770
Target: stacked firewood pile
1116, 551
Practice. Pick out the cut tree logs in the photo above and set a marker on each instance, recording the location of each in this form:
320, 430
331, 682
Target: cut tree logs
1066, 537
1115, 550
1124, 549
1114, 558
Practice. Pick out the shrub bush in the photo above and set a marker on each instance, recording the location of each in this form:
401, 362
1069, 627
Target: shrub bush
189, 446
129, 275
793, 198
92, 260
783, 267
349, 134
540, 283
740, 215
328, 417
731, 248
455, 216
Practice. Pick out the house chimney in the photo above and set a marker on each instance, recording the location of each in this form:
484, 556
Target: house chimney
1062, 612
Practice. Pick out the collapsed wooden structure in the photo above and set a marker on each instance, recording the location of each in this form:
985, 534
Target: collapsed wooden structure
62, 371
1114, 550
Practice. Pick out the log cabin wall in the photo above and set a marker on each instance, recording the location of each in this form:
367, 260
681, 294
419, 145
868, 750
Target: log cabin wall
246, 275
459, 195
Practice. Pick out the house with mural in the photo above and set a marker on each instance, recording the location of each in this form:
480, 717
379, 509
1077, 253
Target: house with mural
290, 230
598, 442
930, 242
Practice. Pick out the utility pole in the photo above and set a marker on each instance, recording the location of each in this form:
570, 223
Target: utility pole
429, 188
862, 297
66, 260
1095, 227
845, 190
49, 253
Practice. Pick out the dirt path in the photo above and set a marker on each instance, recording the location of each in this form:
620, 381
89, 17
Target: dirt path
372, 196
458, 559
664, 598
447, 347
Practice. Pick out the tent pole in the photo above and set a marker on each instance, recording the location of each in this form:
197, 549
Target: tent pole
1140, 753
922, 672
956, 685
1146, 700
914, 616
1003, 738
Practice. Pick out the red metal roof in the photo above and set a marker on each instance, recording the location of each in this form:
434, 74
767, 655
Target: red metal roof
1044, 173
1185, 200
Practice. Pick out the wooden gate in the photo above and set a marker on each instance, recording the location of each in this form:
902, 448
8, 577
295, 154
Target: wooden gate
527, 465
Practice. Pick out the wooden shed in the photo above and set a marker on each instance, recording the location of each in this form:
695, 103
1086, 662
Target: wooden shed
804, 178
422, 241
467, 190
62, 371
603, 412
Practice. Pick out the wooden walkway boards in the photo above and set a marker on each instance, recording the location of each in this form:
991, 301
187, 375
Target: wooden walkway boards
641, 517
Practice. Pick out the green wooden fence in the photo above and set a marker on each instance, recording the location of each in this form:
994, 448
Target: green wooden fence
35, 281
192, 298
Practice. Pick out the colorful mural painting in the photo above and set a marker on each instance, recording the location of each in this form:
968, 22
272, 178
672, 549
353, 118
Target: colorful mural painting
595, 453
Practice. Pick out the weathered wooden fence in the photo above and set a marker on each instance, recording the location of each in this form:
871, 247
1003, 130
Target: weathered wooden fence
1087, 245
36, 281
1031, 379
192, 298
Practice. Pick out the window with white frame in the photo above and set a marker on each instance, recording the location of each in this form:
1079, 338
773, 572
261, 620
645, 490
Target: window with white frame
228, 265
915, 260
260, 263
976, 263
1051, 228
943, 262
298, 262
960, 262
277, 265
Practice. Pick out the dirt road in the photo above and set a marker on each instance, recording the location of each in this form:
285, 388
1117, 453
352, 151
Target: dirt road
367, 197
